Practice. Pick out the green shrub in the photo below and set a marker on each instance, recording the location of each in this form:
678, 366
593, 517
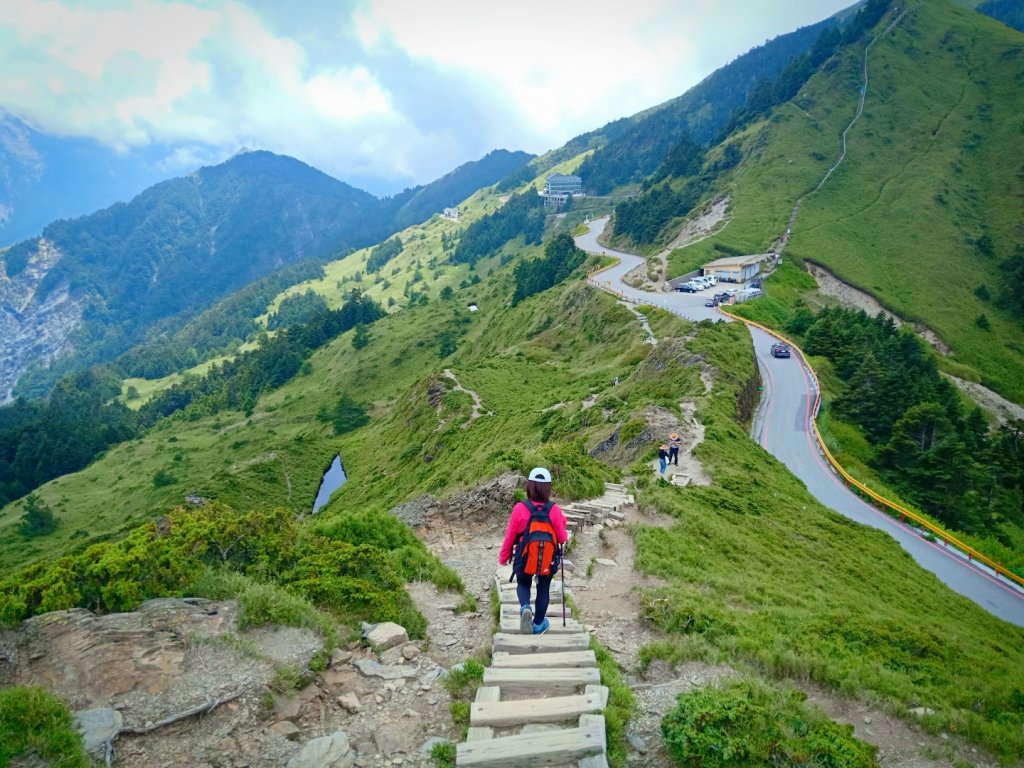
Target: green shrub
38, 519
621, 704
632, 429
749, 723
443, 754
37, 726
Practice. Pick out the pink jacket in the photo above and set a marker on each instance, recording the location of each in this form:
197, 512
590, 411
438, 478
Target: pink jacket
517, 524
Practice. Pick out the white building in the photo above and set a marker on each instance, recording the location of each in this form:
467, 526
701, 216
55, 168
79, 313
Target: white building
561, 184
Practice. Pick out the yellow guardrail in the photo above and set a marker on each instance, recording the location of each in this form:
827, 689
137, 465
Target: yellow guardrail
904, 513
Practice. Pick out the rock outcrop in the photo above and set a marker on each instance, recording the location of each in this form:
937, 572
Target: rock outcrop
35, 327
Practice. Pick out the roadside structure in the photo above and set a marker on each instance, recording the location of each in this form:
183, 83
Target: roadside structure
735, 269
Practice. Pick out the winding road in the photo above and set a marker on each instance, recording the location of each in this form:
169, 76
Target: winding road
783, 428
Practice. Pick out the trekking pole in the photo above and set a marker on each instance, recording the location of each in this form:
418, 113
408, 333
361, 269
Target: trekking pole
563, 586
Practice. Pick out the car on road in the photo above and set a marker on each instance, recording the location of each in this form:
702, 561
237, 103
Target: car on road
723, 297
780, 350
712, 302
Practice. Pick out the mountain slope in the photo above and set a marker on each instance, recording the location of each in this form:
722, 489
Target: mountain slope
421, 203
634, 147
171, 251
44, 178
923, 211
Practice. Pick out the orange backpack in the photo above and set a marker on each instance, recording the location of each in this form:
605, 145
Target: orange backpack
537, 552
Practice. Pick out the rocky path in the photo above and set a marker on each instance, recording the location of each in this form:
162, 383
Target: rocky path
542, 700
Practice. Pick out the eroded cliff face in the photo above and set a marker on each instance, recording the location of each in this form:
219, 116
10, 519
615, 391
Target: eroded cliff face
34, 328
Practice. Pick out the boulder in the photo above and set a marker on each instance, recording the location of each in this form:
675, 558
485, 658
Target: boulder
287, 729
410, 651
386, 635
286, 707
84, 657
350, 703
339, 683
97, 727
326, 752
371, 668
393, 655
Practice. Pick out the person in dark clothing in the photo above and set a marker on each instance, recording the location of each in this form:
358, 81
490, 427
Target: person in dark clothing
674, 442
663, 458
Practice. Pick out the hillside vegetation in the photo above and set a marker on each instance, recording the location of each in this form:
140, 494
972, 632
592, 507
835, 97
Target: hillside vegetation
921, 213
756, 570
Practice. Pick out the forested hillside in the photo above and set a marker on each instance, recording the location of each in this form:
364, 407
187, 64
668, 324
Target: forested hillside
142, 269
633, 148
421, 203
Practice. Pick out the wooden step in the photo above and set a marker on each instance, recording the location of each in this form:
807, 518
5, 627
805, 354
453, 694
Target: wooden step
531, 749
540, 643
508, 596
541, 681
504, 714
511, 626
594, 761
504, 659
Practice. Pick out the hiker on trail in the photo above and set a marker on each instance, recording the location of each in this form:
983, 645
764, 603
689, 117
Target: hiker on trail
674, 442
537, 529
663, 457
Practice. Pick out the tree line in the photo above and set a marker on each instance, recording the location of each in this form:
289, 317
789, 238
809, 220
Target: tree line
934, 450
237, 384
81, 418
561, 257
523, 214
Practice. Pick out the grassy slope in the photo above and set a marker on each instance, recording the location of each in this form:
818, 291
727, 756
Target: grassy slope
929, 170
758, 571
761, 573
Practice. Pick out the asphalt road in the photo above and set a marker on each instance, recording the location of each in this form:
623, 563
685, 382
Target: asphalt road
783, 428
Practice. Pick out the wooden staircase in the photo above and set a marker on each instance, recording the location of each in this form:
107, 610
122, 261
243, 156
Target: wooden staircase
542, 702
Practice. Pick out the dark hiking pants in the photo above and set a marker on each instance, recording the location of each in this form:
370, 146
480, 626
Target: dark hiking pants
523, 584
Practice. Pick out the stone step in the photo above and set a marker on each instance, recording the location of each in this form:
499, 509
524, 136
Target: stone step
505, 714
546, 643
506, 660
536, 749
541, 681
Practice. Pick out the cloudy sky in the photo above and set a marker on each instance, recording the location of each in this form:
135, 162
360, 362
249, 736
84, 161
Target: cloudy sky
388, 93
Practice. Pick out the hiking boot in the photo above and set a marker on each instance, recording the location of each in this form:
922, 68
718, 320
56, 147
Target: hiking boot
540, 629
526, 619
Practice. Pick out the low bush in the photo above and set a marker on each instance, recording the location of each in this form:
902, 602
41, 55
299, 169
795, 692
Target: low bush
749, 723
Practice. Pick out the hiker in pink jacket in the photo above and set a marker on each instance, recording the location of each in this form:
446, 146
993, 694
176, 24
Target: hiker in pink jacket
537, 529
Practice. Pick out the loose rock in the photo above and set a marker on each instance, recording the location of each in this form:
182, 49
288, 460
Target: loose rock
326, 752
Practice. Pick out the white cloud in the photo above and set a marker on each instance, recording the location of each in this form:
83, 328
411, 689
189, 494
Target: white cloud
368, 88
347, 94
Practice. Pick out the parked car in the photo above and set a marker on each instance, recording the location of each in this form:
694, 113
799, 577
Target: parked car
723, 297
687, 288
712, 302
780, 350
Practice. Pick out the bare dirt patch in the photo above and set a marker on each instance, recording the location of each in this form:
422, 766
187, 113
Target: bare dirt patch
854, 298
